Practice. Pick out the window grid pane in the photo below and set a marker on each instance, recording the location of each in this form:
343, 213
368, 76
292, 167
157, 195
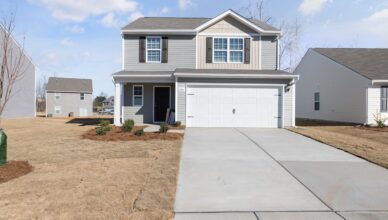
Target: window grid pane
220, 56
153, 43
384, 99
236, 56
236, 44
221, 43
138, 90
137, 100
153, 55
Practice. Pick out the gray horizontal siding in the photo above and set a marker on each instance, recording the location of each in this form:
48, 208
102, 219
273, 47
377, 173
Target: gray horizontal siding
268, 53
69, 102
143, 114
181, 54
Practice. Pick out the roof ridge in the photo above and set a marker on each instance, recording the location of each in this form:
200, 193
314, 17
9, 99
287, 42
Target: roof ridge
179, 17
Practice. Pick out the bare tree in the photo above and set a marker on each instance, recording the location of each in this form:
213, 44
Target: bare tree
256, 10
289, 40
289, 45
41, 93
13, 62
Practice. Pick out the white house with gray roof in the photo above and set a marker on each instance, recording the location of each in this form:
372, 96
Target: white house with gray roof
212, 72
69, 97
343, 84
22, 101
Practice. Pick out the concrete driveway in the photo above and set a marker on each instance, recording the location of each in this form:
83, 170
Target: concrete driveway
271, 174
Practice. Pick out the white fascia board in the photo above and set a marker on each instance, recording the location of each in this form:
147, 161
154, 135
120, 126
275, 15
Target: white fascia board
239, 18
250, 76
375, 81
143, 75
159, 31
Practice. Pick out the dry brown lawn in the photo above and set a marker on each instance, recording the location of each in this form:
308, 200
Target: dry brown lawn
75, 178
370, 144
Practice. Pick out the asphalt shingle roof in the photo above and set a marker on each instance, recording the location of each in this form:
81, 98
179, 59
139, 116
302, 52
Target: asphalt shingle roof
56, 84
170, 23
368, 62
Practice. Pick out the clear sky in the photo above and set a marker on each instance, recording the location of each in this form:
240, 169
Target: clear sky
81, 38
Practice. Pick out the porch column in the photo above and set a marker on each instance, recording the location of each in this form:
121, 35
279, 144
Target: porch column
118, 100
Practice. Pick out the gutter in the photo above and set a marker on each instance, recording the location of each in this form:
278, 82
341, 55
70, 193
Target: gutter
246, 76
376, 81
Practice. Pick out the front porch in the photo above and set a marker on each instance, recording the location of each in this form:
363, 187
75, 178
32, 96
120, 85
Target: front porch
143, 98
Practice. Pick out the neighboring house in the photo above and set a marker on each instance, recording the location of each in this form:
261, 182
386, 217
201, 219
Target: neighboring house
67, 96
213, 72
342, 84
22, 103
108, 103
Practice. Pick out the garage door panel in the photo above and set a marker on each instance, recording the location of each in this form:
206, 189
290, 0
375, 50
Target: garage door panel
215, 106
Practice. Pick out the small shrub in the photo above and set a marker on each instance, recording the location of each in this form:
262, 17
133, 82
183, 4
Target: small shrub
101, 131
104, 123
139, 133
163, 128
177, 123
380, 121
128, 126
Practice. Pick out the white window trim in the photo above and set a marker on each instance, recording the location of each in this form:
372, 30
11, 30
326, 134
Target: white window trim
319, 101
55, 109
228, 50
82, 96
160, 49
133, 95
381, 100
57, 95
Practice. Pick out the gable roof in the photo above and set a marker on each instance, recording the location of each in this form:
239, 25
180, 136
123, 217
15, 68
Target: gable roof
192, 24
56, 84
371, 63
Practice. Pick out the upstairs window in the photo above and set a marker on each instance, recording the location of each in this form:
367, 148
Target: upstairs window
153, 48
384, 95
137, 95
57, 96
228, 50
82, 96
317, 101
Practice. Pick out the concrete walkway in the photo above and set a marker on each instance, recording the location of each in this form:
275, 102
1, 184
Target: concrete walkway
272, 174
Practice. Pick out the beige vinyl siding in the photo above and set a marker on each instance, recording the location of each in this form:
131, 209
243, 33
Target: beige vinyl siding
228, 25
254, 63
181, 54
269, 52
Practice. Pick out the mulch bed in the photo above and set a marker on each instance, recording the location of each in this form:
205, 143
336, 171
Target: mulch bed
14, 169
115, 134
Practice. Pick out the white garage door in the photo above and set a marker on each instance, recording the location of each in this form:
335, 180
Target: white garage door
222, 106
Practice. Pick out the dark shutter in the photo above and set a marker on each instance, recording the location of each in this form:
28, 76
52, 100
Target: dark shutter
247, 50
384, 96
142, 48
209, 50
164, 49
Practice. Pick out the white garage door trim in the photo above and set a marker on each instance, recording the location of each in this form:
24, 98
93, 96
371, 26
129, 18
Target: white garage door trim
280, 86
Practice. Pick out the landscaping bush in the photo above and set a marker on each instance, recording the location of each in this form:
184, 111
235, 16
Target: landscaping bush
128, 126
104, 123
163, 128
101, 130
139, 133
177, 123
380, 121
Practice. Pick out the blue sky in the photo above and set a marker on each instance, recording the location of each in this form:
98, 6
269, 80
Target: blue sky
81, 38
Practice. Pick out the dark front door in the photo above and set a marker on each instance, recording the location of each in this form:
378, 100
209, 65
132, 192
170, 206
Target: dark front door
161, 103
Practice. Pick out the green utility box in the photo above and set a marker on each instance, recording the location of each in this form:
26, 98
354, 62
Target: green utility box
3, 147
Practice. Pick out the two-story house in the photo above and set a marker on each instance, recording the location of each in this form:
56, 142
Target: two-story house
213, 72
69, 97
